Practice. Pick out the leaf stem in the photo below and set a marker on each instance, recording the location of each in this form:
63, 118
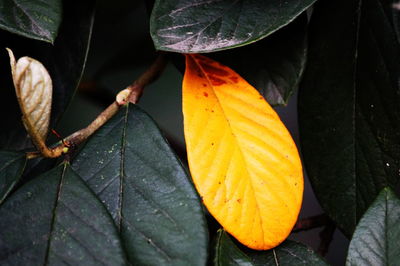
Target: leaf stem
326, 236
131, 94
311, 223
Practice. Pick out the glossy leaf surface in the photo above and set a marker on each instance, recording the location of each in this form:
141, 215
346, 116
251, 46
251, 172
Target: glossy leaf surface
288, 253
37, 19
56, 219
349, 111
188, 26
376, 238
64, 61
11, 167
274, 65
132, 169
242, 159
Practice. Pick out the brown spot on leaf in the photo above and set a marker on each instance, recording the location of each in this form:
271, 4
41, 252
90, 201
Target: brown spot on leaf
205, 94
198, 72
210, 69
194, 68
234, 79
204, 85
216, 81
239, 200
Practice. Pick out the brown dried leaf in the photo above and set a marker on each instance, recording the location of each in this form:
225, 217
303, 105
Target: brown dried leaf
34, 89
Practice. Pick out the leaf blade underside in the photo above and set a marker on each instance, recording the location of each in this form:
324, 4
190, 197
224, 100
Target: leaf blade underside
39, 19
34, 90
187, 26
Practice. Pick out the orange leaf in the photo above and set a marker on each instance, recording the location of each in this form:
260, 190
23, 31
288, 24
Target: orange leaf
242, 159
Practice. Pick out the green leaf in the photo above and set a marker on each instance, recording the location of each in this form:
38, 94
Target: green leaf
188, 26
288, 253
36, 19
274, 66
11, 168
349, 111
376, 238
132, 169
56, 219
65, 62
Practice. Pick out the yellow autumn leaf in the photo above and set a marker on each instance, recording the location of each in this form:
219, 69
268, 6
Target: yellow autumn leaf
242, 159
34, 90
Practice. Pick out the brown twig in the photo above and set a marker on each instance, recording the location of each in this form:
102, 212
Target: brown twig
131, 94
311, 223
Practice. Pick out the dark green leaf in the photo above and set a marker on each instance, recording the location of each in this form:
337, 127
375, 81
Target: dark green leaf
188, 26
36, 19
392, 10
376, 238
57, 220
349, 111
129, 165
288, 253
65, 62
275, 65
11, 167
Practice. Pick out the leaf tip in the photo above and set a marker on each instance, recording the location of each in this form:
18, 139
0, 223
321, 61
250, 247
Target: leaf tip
12, 60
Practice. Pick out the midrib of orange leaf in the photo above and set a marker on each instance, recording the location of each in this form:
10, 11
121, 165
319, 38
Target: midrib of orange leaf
240, 153
242, 159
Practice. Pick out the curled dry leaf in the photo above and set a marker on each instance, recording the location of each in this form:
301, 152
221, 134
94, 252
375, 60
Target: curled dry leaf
242, 159
34, 89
